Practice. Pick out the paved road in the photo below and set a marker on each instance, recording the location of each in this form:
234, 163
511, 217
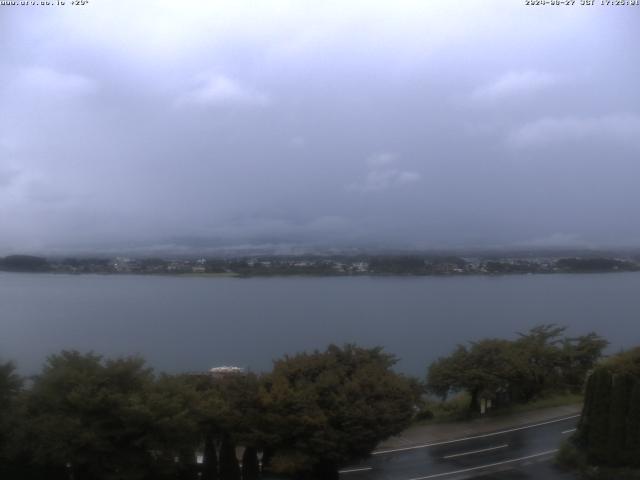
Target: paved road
515, 453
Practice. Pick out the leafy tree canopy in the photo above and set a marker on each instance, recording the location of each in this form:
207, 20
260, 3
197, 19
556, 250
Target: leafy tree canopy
104, 418
537, 362
327, 408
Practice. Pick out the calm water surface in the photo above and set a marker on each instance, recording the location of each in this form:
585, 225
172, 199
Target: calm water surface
191, 323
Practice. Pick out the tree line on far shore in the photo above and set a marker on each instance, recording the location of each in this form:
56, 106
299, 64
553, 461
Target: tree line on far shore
87, 417
282, 265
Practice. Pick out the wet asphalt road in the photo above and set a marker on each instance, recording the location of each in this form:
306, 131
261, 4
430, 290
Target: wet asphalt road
519, 453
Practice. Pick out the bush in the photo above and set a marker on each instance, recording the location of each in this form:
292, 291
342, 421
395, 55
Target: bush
570, 457
424, 415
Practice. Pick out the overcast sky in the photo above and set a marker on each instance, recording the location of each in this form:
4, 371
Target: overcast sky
401, 123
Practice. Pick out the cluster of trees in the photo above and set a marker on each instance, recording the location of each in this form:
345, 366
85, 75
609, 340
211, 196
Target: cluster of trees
586, 265
24, 263
609, 429
522, 266
393, 264
537, 363
279, 266
415, 265
86, 417
398, 265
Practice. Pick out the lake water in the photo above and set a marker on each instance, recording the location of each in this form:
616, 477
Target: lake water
194, 323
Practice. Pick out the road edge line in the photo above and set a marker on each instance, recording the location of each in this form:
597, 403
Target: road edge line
485, 435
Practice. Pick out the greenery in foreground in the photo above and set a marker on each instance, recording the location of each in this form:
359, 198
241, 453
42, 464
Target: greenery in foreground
607, 442
504, 373
87, 417
456, 407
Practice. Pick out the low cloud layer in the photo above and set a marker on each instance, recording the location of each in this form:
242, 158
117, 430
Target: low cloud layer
616, 129
430, 124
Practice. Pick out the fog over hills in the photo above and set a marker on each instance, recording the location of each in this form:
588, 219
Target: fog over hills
150, 127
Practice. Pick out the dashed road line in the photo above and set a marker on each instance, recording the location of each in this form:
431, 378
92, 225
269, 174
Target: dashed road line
455, 455
354, 470
490, 465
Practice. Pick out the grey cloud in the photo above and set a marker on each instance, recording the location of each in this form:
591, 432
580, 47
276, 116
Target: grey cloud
269, 230
383, 176
297, 142
557, 240
51, 80
46, 83
615, 127
383, 179
259, 124
382, 159
516, 83
219, 89
7, 176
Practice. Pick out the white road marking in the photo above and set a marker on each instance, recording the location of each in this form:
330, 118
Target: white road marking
568, 431
353, 470
490, 465
486, 435
455, 455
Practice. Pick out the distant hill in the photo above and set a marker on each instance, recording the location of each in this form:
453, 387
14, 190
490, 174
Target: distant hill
24, 263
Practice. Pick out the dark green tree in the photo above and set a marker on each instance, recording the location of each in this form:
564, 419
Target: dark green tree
10, 387
595, 425
540, 348
609, 428
229, 467
539, 362
447, 374
187, 468
250, 466
209, 458
328, 408
578, 357
632, 436
621, 388
105, 419
228, 408
487, 369
173, 431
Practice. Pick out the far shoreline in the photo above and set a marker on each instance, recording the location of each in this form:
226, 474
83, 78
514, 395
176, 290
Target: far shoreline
313, 275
